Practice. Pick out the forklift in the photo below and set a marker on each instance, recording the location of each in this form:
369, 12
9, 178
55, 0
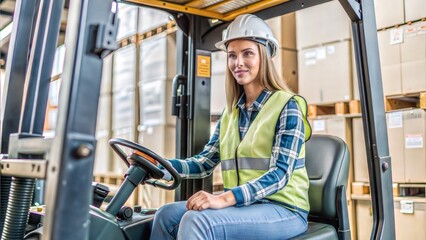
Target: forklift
65, 161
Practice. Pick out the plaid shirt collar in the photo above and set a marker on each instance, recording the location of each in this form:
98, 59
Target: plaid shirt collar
258, 104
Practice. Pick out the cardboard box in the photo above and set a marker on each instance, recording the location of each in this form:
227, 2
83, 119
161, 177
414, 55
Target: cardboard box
333, 125
289, 69
413, 58
124, 71
219, 63
389, 13
337, 82
309, 76
103, 121
155, 103
128, 20
288, 31
219, 68
355, 85
284, 30
395, 128
123, 110
390, 60
107, 67
414, 151
359, 153
158, 58
410, 219
414, 10
159, 139
218, 94
150, 19
320, 81
364, 219
103, 154
315, 25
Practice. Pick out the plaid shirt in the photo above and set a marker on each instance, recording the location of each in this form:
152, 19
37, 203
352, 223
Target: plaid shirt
290, 134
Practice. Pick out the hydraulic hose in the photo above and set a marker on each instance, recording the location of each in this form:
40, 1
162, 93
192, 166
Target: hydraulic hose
4, 196
20, 198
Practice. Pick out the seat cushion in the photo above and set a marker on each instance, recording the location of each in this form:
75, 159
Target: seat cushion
318, 231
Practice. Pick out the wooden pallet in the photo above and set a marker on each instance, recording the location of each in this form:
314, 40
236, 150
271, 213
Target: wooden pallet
399, 189
411, 189
137, 38
167, 28
109, 178
338, 108
403, 101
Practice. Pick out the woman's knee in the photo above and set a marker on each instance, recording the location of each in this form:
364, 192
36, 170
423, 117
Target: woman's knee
172, 211
195, 225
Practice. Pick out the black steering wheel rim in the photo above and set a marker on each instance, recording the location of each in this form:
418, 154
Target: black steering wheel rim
116, 142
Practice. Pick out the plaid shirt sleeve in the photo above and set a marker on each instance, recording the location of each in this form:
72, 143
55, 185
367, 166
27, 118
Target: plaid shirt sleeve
290, 135
202, 164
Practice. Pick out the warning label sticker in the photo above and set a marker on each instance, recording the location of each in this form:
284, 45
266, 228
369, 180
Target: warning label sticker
203, 66
395, 120
413, 141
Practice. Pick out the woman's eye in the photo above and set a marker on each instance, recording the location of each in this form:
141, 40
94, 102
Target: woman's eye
248, 53
231, 56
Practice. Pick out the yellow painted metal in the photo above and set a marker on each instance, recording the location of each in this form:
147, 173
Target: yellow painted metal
177, 8
217, 5
210, 9
252, 8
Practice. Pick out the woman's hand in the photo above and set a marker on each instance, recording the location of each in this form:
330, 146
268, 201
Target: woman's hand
204, 200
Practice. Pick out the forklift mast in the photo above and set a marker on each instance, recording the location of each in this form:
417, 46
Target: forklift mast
66, 161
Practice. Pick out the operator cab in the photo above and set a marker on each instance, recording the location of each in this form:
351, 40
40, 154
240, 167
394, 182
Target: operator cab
118, 221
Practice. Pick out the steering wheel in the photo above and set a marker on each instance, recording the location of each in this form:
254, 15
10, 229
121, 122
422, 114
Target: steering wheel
147, 160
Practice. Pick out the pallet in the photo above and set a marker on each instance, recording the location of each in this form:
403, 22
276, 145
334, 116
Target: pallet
167, 28
404, 101
109, 178
338, 108
398, 189
411, 189
137, 38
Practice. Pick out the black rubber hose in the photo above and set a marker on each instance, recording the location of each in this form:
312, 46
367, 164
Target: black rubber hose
20, 198
4, 196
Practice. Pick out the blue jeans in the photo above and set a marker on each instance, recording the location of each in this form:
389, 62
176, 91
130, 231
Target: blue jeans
257, 221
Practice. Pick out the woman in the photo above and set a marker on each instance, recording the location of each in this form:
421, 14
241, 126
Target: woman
264, 126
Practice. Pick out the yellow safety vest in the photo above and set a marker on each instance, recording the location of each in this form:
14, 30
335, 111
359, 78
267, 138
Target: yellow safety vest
253, 153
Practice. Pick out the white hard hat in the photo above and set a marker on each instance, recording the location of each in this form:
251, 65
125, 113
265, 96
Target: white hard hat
248, 26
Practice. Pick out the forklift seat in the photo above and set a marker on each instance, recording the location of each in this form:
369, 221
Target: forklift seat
327, 164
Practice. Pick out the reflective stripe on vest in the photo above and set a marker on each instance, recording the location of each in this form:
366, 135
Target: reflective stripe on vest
254, 151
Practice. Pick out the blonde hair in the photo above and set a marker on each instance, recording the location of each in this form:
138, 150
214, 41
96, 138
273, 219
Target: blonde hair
268, 78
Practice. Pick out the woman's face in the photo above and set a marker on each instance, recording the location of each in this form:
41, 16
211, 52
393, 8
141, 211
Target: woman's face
244, 61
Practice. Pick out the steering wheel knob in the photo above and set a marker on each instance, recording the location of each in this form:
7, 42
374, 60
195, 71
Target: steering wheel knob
138, 160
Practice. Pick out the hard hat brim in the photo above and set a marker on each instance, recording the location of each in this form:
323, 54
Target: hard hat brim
222, 45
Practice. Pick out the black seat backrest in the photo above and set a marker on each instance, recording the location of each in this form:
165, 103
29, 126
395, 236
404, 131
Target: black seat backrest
327, 164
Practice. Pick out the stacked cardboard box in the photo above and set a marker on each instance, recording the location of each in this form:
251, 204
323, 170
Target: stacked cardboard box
103, 126
410, 218
284, 29
124, 109
157, 70
156, 128
406, 133
324, 58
